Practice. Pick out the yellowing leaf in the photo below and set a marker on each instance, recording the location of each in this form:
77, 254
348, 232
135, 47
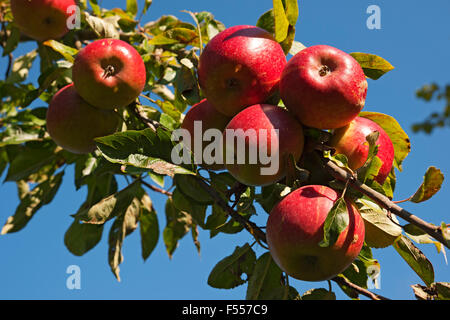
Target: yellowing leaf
431, 184
373, 66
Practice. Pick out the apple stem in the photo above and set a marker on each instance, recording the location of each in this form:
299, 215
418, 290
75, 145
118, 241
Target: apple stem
324, 70
108, 71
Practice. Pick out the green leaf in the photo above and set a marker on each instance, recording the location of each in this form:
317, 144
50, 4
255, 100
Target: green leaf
415, 259
339, 159
265, 282
373, 164
319, 294
103, 28
373, 66
111, 206
82, 237
227, 273
144, 149
95, 7
400, 140
147, 5
132, 7
176, 35
149, 227
267, 21
67, 52
337, 221
281, 21
431, 184
41, 195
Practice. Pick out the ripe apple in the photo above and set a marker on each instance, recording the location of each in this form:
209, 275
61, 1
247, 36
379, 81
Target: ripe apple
295, 229
351, 141
42, 19
323, 87
73, 124
253, 128
240, 67
210, 118
109, 73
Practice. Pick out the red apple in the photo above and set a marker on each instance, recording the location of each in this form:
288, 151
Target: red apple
295, 229
239, 67
351, 141
323, 87
109, 73
42, 19
252, 129
73, 124
209, 118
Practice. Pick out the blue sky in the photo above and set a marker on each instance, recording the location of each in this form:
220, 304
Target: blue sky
414, 37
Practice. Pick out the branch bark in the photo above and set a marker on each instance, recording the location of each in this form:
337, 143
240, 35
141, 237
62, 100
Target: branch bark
385, 202
342, 281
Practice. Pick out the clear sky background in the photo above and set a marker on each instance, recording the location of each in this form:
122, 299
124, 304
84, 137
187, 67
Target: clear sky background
414, 37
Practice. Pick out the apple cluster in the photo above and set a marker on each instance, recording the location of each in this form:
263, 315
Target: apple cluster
107, 74
241, 70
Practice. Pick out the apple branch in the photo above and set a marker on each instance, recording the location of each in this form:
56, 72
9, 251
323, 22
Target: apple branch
344, 282
345, 176
154, 188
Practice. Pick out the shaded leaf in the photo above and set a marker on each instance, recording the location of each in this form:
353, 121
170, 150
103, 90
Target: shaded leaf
381, 231
319, 294
190, 187
227, 273
82, 237
149, 227
265, 282
178, 224
111, 206
41, 195
123, 225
